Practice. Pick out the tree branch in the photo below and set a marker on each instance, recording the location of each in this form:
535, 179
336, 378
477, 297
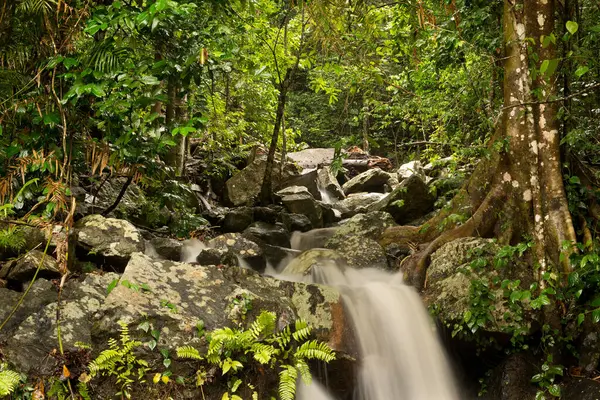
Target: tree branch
569, 97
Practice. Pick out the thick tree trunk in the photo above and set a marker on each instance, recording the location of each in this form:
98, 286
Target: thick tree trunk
518, 192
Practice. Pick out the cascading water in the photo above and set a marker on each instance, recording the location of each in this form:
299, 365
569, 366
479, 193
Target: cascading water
401, 358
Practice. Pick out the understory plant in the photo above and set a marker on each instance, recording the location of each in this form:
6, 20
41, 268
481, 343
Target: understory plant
235, 350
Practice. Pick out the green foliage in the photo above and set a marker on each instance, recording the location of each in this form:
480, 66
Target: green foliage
9, 380
286, 350
120, 361
12, 240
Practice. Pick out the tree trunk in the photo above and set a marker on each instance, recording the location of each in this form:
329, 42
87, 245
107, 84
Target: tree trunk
518, 192
266, 192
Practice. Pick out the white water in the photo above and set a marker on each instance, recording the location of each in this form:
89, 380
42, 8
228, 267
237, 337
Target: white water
401, 358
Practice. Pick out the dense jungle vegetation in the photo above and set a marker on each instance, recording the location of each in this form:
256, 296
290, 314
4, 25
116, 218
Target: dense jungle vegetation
145, 92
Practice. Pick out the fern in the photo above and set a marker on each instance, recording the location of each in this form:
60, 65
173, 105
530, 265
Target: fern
12, 239
264, 324
302, 331
188, 352
315, 350
287, 382
304, 370
8, 382
83, 391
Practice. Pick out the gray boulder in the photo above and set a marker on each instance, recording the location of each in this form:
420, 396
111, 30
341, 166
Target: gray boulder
38, 332
167, 248
220, 256
238, 219
271, 234
372, 180
370, 225
409, 201
360, 252
249, 253
298, 200
312, 158
330, 185
109, 238
23, 269
358, 203
449, 279
244, 187
41, 293
308, 179
317, 238
411, 168
304, 264
296, 222
581, 389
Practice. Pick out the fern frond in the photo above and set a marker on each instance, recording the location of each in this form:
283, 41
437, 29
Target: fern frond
263, 352
8, 382
264, 324
106, 57
106, 360
188, 352
302, 331
304, 370
284, 337
287, 382
83, 391
315, 350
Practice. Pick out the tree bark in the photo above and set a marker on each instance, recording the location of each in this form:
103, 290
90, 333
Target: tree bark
517, 194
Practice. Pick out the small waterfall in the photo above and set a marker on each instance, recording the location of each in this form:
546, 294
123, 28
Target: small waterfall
190, 250
401, 358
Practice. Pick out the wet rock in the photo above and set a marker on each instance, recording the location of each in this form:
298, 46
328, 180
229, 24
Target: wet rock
112, 239
248, 251
215, 215
331, 215
312, 158
327, 182
37, 333
360, 252
167, 248
357, 203
238, 219
317, 238
220, 297
221, 256
244, 187
449, 279
296, 222
270, 214
411, 168
298, 200
511, 380
581, 389
370, 225
372, 180
409, 201
23, 269
277, 256
271, 234
304, 264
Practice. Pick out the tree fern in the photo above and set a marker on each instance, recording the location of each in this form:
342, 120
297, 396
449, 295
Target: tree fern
8, 382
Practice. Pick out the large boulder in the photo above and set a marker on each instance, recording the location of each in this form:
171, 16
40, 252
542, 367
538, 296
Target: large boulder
369, 225
451, 272
24, 268
38, 332
358, 203
298, 200
312, 158
271, 234
42, 292
316, 238
167, 248
329, 185
112, 240
180, 295
296, 222
303, 265
238, 219
581, 389
308, 179
411, 168
409, 201
360, 252
372, 180
244, 187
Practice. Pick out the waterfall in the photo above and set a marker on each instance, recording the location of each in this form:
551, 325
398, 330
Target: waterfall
401, 358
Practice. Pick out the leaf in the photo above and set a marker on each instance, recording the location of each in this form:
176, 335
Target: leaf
596, 315
572, 27
167, 362
554, 390
113, 284
165, 379
467, 316
156, 378
580, 318
581, 71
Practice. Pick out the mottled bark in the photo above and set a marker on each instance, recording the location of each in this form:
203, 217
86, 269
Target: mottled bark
518, 192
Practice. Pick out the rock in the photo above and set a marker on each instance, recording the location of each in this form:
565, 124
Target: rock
243, 187
304, 264
130, 205
360, 252
220, 297
449, 279
409, 169
111, 239
371, 180
581, 389
328, 184
589, 346
248, 251
238, 219
434, 169
392, 182
23, 269
409, 201
276, 256
357, 203
308, 179
270, 214
317, 238
298, 200
511, 380
167, 248
312, 158
370, 225
215, 215
296, 222
271, 234
37, 333
34, 237
221, 256
41, 293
